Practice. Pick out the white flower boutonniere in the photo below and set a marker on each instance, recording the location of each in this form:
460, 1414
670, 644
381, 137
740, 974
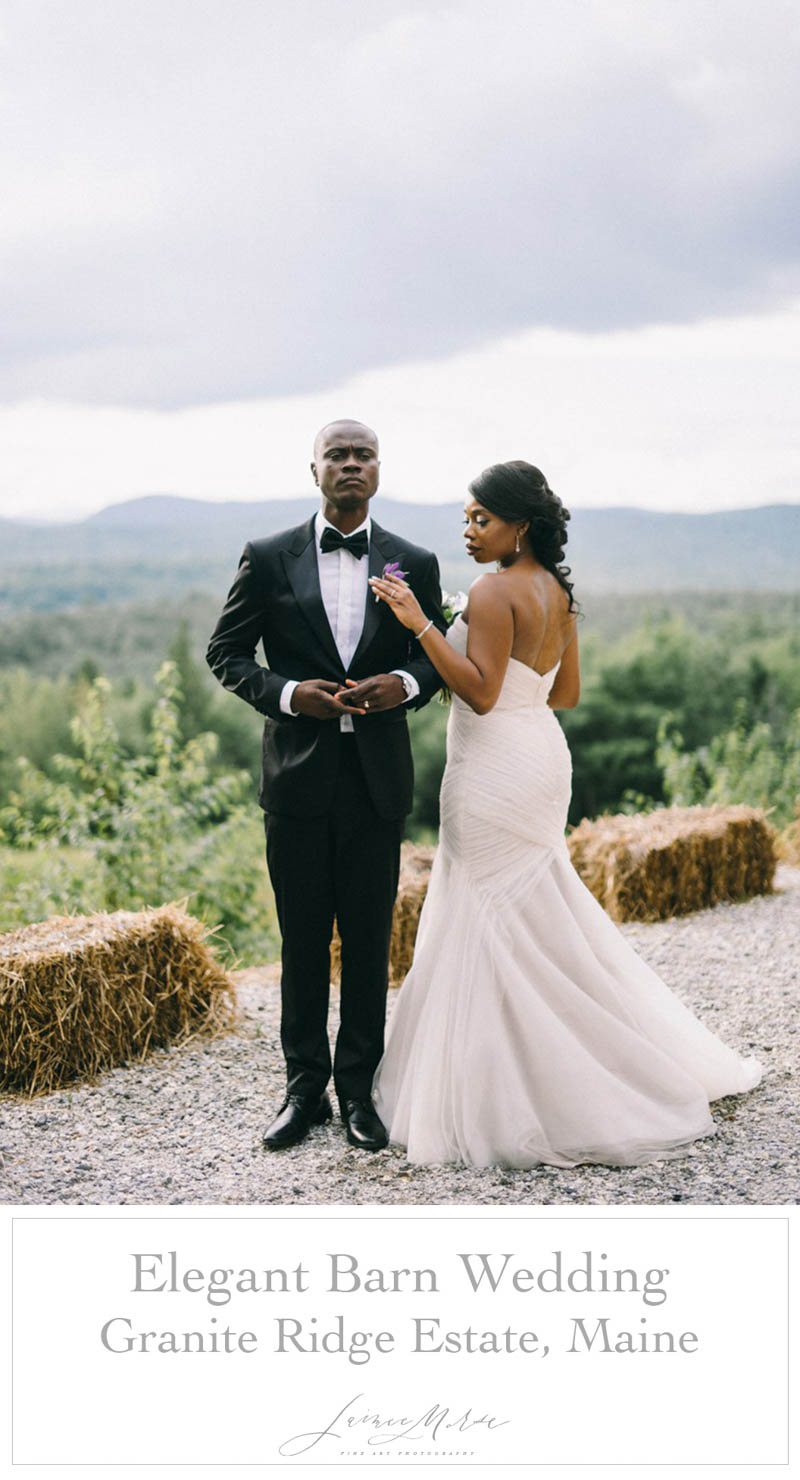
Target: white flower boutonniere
453, 604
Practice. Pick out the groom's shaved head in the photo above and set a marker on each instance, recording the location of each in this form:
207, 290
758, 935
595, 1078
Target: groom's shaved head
346, 467
345, 430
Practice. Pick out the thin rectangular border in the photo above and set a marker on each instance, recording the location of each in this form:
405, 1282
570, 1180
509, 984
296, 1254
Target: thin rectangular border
582, 1217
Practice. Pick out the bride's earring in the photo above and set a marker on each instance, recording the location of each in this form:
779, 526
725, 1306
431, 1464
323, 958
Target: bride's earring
516, 543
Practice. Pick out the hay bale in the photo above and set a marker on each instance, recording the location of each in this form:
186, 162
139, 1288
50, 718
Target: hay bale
415, 871
658, 864
415, 868
82, 993
788, 841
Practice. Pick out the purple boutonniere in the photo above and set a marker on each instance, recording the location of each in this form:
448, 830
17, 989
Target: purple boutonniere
393, 569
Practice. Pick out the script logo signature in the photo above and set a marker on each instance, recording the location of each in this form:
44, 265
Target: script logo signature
377, 1429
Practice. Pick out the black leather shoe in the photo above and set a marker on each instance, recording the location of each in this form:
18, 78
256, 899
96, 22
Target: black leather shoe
294, 1120
365, 1128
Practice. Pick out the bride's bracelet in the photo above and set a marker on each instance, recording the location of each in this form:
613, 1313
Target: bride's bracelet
418, 635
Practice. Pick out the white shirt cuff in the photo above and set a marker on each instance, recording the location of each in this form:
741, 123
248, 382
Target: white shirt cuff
412, 683
286, 697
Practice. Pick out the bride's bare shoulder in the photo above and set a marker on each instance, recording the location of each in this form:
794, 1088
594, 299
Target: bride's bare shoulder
488, 595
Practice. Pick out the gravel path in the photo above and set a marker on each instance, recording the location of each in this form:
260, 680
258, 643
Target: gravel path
185, 1127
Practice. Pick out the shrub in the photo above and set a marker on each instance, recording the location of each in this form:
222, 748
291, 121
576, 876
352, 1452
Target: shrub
748, 763
120, 832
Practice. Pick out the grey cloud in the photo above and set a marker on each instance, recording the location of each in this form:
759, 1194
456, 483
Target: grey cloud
212, 201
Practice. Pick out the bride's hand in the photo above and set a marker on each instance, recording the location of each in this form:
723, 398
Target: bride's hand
401, 599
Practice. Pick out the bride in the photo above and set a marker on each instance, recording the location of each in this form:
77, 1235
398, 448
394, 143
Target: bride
528, 1030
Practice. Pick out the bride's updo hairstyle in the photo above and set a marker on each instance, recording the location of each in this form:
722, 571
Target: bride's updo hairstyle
517, 491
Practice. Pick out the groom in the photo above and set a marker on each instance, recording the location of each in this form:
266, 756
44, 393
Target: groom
337, 774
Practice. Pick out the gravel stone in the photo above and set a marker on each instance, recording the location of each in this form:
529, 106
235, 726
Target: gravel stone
186, 1125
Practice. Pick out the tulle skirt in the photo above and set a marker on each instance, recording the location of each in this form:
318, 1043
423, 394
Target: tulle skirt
537, 1034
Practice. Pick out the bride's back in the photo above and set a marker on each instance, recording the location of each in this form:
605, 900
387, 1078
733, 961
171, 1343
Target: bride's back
543, 623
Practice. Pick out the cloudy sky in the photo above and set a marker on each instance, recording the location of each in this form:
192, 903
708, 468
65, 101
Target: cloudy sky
556, 229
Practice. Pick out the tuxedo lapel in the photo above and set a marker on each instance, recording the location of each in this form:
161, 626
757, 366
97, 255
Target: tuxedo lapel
300, 564
380, 553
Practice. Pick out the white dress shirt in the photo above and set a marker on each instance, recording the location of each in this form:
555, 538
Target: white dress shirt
343, 584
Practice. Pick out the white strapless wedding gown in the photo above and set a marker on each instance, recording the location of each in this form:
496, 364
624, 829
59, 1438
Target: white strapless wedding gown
527, 1029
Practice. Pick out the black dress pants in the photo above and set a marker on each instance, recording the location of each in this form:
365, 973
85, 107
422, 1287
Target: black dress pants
343, 865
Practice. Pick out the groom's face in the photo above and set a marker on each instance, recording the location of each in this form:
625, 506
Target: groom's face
346, 465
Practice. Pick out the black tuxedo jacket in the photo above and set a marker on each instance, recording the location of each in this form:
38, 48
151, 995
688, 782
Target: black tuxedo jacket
276, 599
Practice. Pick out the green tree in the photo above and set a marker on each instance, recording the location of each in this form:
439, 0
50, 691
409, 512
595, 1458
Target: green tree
663, 668
195, 706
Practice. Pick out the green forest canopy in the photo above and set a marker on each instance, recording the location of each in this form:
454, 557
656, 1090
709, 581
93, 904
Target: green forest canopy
109, 794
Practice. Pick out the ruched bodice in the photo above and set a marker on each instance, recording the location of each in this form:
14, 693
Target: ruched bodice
511, 768
528, 1030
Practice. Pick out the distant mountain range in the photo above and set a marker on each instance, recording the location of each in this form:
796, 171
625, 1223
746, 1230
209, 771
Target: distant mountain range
196, 543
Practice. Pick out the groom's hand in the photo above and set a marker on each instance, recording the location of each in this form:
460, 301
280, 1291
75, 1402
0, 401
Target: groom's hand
317, 697
382, 691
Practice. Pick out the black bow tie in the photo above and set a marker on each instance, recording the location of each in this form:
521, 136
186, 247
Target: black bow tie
357, 544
